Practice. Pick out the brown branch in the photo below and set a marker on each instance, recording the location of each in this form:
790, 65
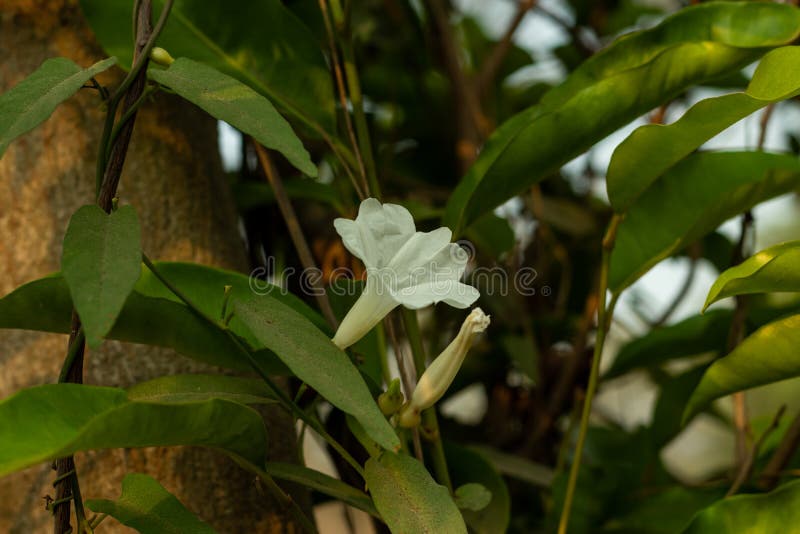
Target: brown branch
66, 484
340, 86
492, 63
295, 232
470, 121
780, 458
747, 465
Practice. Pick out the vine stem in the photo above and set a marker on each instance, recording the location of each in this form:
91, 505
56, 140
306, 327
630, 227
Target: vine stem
280, 395
429, 420
604, 314
295, 231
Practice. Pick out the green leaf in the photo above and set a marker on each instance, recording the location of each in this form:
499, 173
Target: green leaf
228, 99
491, 235
408, 499
774, 269
315, 360
191, 388
260, 43
101, 263
56, 420
149, 508
630, 77
469, 467
652, 149
333, 487
152, 315
33, 100
517, 467
472, 496
768, 355
692, 199
667, 512
778, 511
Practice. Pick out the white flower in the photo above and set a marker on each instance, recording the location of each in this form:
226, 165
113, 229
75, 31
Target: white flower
404, 266
440, 374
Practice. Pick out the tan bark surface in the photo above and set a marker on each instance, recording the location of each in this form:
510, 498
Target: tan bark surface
174, 179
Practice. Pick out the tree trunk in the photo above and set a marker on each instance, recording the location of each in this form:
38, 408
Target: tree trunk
173, 178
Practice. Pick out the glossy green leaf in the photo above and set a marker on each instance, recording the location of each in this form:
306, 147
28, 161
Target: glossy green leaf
314, 359
333, 487
491, 235
517, 467
227, 99
260, 43
193, 388
101, 263
666, 512
56, 420
145, 505
29, 103
408, 499
774, 269
152, 315
692, 199
630, 77
652, 149
778, 511
470, 467
768, 355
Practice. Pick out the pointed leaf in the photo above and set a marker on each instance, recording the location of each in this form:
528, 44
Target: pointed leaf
777, 511
768, 355
152, 315
691, 200
145, 505
408, 499
262, 44
230, 100
313, 358
192, 388
56, 420
101, 263
774, 269
630, 77
472, 496
652, 149
33, 100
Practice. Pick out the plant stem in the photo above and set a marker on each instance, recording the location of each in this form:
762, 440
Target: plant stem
604, 314
295, 232
356, 97
429, 420
279, 394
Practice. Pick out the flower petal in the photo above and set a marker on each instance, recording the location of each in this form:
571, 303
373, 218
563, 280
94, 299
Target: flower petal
418, 252
451, 292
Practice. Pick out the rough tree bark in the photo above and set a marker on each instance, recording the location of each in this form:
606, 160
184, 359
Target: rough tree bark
173, 177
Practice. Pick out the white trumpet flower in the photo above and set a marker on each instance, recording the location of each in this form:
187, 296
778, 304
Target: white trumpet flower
440, 374
404, 267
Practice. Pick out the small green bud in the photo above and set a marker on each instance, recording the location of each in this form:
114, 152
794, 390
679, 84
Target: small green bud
409, 416
161, 56
392, 399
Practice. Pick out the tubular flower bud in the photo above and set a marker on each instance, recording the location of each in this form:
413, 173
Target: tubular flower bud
440, 374
403, 266
161, 56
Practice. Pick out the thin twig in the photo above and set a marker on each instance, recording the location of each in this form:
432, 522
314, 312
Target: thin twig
492, 63
469, 117
405, 377
679, 296
339, 77
604, 315
356, 98
780, 458
295, 232
747, 465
